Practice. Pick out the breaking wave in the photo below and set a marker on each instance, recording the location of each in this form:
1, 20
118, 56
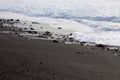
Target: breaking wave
100, 10
102, 16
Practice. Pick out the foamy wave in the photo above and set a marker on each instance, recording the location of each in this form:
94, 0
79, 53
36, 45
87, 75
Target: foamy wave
94, 20
107, 10
108, 38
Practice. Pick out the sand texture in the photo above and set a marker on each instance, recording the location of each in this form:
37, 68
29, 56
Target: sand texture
29, 59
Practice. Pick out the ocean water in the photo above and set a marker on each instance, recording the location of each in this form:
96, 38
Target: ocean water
99, 20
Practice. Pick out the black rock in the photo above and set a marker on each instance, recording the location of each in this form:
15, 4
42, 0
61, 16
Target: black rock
55, 41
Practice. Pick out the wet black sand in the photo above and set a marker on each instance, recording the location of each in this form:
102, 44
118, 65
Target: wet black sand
27, 59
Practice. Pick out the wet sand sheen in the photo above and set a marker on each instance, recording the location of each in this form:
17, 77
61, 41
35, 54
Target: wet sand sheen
23, 59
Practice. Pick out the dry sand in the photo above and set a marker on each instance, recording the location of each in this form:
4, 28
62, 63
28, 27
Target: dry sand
28, 59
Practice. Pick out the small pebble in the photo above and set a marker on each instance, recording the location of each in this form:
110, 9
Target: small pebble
90, 71
101, 72
1, 73
27, 70
41, 63
80, 53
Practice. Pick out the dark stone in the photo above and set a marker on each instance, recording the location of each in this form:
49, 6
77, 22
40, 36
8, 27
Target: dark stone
32, 32
25, 28
11, 20
42, 36
59, 28
32, 28
27, 70
100, 45
18, 20
55, 41
0, 20
70, 34
1, 73
47, 33
82, 43
41, 63
90, 71
80, 53
101, 72
71, 39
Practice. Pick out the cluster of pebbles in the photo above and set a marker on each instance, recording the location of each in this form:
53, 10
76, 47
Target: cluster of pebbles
9, 27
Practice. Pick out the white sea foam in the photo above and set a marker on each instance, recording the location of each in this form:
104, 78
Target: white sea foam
63, 8
108, 38
93, 20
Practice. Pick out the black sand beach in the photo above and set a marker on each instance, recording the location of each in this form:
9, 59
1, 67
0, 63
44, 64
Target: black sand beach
28, 59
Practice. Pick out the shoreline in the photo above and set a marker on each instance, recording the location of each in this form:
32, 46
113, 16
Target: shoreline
27, 29
24, 58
